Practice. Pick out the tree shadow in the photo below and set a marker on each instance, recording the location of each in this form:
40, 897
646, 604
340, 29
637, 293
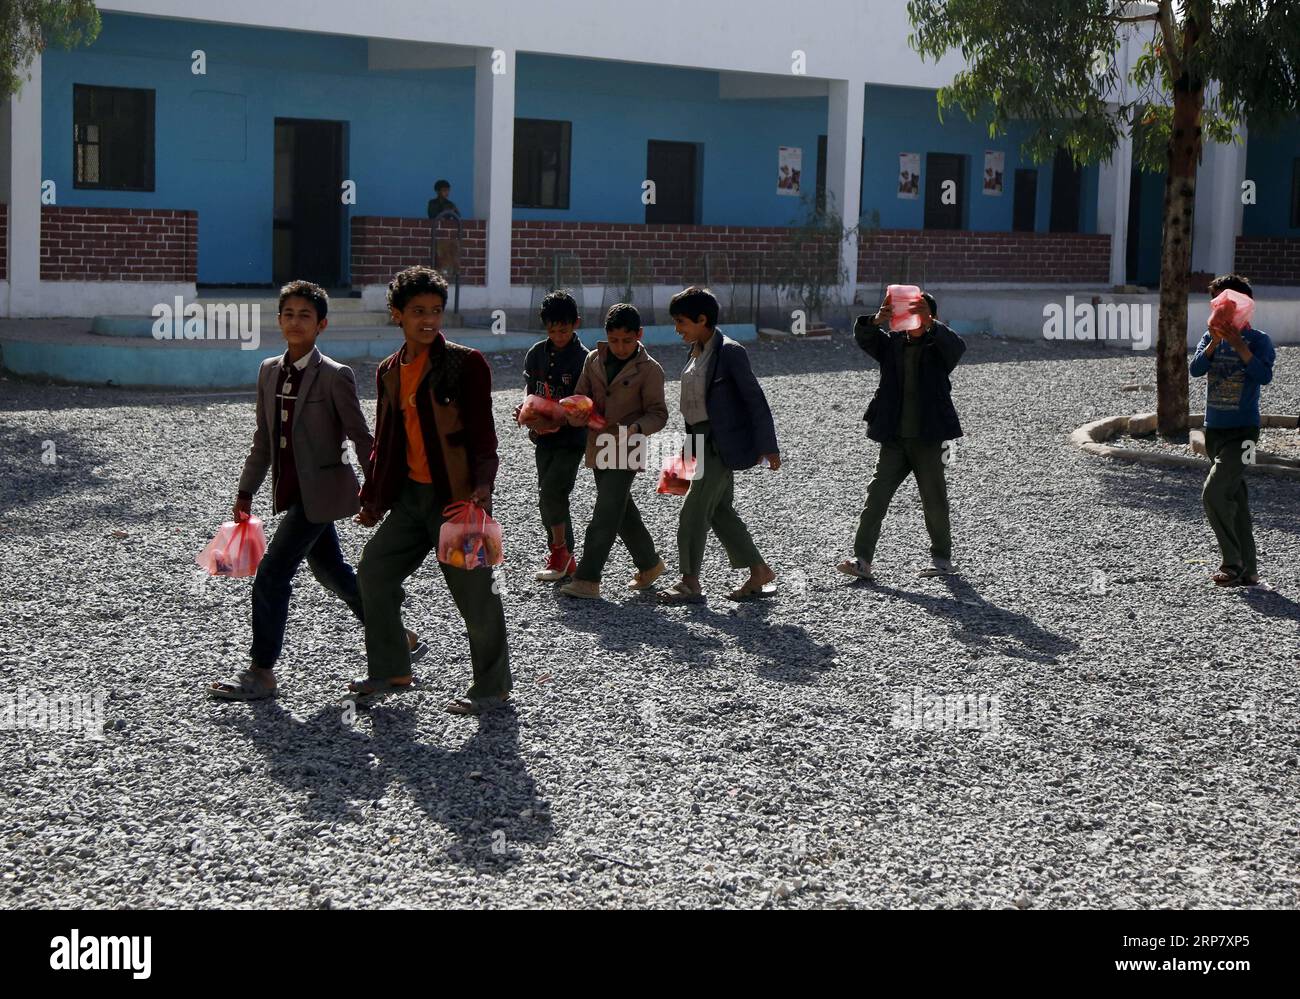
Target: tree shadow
481, 792
979, 624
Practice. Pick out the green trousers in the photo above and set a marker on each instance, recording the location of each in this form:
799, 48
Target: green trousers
898, 458
557, 471
615, 515
401, 544
1224, 497
708, 506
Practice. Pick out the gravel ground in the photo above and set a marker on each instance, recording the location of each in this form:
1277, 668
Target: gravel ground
1131, 740
1281, 441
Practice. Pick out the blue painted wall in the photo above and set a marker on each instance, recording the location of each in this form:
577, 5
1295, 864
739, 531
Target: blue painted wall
1270, 159
214, 134
616, 108
906, 120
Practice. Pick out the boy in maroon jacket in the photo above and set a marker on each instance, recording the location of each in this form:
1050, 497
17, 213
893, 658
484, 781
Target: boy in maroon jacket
435, 444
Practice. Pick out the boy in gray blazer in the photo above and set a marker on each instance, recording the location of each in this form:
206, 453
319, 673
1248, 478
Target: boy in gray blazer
306, 405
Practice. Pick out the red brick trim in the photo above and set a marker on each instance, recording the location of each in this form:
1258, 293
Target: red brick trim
673, 253
118, 244
1268, 259
935, 255
383, 245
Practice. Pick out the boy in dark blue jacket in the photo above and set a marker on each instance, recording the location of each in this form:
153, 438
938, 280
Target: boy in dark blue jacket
728, 417
552, 369
911, 416
1236, 364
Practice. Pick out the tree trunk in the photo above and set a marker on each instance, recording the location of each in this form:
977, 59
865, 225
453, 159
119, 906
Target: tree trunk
1184, 159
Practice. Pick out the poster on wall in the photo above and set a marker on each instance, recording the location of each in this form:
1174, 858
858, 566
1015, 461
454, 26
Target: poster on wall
909, 175
994, 164
789, 165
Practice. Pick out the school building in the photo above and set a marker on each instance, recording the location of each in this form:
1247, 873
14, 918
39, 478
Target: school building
239, 144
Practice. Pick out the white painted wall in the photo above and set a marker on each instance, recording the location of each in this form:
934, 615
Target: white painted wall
843, 39
107, 298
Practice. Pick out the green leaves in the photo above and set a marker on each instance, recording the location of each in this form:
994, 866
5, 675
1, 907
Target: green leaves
28, 26
1055, 64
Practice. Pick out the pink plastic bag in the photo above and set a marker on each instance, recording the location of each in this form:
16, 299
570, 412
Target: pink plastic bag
901, 298
675, 479
236, 550
1232, 308
536, 406
583, 405
469, 538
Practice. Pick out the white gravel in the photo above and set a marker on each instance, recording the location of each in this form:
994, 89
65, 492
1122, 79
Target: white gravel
1141, 750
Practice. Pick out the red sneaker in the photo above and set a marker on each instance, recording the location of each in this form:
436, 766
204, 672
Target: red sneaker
559, 565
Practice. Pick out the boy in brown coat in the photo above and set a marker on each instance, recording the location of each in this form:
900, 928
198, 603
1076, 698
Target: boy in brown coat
627, 386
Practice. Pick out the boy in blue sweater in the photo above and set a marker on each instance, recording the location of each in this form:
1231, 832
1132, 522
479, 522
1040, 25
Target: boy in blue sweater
1236, 363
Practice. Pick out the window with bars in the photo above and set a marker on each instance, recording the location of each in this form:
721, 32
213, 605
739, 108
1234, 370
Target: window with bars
541, 163
112, 138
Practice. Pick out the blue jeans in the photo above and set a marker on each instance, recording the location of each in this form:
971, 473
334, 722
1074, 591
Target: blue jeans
296, 539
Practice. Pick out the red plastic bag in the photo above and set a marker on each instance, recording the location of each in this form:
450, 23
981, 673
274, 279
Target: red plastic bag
236, 550
1232, 308
901, 299
582, 405
675, 479
469, 538
539, 407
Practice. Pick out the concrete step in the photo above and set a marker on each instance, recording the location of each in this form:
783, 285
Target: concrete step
64, 350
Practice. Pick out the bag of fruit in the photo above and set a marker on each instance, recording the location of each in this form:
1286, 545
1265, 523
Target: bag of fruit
236, 550
675, 478
582, 405
469, 538
1232, 308
537, 407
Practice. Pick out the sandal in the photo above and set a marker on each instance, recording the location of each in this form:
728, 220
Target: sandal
366, 690
1226, 577
752, 591
475, 705
246, 686
857, 568
681, 594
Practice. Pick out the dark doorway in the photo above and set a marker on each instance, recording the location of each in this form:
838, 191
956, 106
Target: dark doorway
1025, 213
673, 167
308, 221
1067, 179
1134, 240
939, 169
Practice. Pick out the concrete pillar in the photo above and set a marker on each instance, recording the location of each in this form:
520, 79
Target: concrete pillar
1218, 205
494, 162
844, 165
22, 155
1113, 182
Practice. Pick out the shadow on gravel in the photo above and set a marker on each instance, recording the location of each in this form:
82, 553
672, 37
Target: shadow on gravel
977, 623
1175, 494
481, 792
784, 652
1272, 604
29, 480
